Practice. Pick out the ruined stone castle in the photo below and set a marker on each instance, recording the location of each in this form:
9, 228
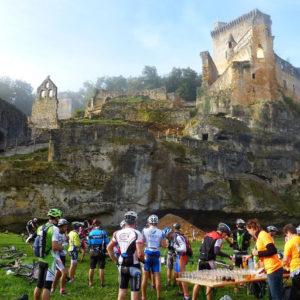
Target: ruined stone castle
244, 68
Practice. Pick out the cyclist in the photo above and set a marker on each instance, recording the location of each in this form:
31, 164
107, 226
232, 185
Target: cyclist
272, 230
267, 253
47, 264
241, 242
74, 248
117, 250
61, 270
210, 248
153, 238
130, 242
170, 260
82, 234
97, 242
291, 258
177, 227
31, 228
178, 243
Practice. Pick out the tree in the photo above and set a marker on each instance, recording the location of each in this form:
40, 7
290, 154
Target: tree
22, 96
150, 78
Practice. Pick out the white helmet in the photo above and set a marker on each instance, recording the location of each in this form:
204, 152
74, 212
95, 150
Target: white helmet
226, 297
298, 229
130, 217
153, 219
122, 224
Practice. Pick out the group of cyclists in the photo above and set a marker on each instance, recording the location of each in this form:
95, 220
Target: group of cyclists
129, 248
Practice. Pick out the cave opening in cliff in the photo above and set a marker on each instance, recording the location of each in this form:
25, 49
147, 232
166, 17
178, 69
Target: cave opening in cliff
204, 136
2, 141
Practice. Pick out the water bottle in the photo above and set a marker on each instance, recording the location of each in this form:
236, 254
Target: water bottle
250, 264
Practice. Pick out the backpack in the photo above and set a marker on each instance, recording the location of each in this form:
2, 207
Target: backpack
39, 245
257, 289
189, 250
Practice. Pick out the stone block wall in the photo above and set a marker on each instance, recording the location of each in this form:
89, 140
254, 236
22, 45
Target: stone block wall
44, 109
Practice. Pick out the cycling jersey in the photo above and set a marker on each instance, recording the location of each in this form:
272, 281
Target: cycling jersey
207, 250
179, 244
31, 227
241, 239
152, 238
127, 239
98, 240
74, 242
62, 239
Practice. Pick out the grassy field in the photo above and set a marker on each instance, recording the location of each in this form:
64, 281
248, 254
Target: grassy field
12, 287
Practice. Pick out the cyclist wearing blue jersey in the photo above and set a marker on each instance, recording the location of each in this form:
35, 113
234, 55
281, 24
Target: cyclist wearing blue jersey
97, 242
153, 238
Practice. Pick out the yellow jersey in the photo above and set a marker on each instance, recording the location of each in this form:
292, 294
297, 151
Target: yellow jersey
292, 249
74, 241
271, 263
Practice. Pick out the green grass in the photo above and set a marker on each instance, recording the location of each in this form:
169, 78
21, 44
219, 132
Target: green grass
105, 121
12, 287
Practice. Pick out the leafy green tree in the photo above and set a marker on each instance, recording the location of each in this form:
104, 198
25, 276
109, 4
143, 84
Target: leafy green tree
23, 96
150, 78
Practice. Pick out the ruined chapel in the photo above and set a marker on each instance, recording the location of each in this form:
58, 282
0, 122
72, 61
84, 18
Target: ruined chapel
244, 68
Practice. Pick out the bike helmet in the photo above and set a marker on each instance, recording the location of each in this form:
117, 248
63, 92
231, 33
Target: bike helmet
167, 231
177, 226
122, 224
224, 228
298, 229
130, 217
272, 228
34, 220
54, 212
240, 222
153, 219
226, 297
76, 224
62, 222
96, 222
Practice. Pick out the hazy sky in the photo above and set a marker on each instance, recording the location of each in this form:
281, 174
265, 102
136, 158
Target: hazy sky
79, 40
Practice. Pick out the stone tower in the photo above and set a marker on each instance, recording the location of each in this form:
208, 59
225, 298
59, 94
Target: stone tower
244, 68
44, 110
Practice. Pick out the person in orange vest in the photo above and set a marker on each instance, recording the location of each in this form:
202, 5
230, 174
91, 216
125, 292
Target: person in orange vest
291, 258
267, 253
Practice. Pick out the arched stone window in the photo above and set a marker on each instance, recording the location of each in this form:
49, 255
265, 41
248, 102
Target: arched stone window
284, 84
43, 94
260, 52
50, 93
47, 84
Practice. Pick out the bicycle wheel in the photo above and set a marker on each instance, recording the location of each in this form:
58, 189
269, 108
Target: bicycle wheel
24, 236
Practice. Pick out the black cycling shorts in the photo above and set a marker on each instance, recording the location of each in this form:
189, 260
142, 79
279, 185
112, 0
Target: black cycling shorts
97, 258
42, 273
203, 265
74, 256
132, 274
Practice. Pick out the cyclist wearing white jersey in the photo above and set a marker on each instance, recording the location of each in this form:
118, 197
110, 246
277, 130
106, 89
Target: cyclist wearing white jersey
153, 238
130, 242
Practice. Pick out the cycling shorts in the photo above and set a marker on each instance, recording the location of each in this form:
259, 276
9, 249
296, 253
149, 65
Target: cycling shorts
152, 264
83, 244
132, 274
61, 263
74, 256
170, 261
45, 277
97, 258
181, 261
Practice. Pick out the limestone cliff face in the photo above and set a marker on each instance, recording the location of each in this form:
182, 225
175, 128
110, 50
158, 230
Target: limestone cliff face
102, 170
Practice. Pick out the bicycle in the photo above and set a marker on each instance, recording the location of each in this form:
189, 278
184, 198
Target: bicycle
13, 255
29, 272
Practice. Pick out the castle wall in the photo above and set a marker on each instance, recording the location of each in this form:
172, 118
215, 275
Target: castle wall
64, 110
238, 28
209, 70
288, 78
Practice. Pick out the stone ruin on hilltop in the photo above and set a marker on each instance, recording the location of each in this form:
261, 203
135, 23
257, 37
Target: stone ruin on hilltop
244, 68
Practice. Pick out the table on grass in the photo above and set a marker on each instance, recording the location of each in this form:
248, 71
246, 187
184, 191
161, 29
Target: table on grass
221, 284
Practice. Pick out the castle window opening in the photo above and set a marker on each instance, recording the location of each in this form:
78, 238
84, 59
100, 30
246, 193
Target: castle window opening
204, 136
47, 85
284, 84
294, 89
43, 93
253, 75
229, 44
260, 52
51, 93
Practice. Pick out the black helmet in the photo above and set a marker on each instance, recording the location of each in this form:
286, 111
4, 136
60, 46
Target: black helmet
177, 226
224, 228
